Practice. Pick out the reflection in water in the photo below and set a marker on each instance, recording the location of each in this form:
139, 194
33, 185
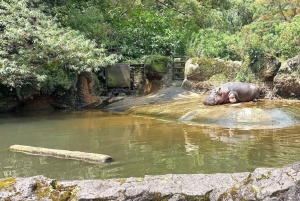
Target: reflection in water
139, 145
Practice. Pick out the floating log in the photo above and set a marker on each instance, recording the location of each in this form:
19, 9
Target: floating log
77, 155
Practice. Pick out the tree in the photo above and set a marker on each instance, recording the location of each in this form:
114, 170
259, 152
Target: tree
285, 9
36, 53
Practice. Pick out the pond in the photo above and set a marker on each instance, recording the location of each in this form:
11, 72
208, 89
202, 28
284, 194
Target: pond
140, 146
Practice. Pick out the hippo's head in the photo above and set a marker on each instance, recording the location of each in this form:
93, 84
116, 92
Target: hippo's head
210, 99
218, 96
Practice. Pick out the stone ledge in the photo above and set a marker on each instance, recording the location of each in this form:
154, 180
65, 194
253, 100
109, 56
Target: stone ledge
262, 184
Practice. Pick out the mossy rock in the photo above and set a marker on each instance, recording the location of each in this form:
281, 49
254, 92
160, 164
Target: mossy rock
7, 182
245, 73
157, 64
202, 69
287, 82
217, 79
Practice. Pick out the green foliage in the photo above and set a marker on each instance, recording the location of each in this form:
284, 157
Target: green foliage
287, 42
87, 18
47, 52
240, 14
35, 51
58, 80
281, 39
213, 43
146, 32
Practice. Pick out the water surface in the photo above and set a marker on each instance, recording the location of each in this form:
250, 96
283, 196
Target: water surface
140, 146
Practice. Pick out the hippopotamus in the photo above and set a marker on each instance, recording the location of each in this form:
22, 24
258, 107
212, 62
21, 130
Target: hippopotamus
232, 92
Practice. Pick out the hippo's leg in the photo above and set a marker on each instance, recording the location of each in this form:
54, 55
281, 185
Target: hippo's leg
221, 96
232, 97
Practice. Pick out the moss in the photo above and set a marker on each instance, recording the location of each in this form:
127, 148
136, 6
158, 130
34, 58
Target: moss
208, 67
249, 179
234, 193
7, 182
263, 176
199, 197
122, 181
218, 79
112, 81
41, 191
54, 191
157, 63
157, 194
140, 179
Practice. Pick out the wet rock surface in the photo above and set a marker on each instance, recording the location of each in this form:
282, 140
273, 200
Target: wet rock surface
262, 184
177, 104
162, 96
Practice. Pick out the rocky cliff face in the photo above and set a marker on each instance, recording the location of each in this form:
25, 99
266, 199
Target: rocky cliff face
84, 93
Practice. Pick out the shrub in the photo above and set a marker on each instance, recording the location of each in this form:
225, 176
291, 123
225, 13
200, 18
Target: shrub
36, 51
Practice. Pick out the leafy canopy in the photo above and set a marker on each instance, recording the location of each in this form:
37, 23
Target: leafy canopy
33, 45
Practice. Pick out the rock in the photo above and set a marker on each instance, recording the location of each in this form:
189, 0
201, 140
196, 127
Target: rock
263, 184
83, 94
270, 66
267, 184
38, 103
264, 114
33, 188
287, 82
202, 74
88, 91
164, 95
158, 74
8, 99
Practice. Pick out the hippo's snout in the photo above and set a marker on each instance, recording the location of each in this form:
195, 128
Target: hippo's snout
209, 100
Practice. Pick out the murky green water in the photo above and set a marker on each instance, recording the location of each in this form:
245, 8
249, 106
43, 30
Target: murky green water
140, 146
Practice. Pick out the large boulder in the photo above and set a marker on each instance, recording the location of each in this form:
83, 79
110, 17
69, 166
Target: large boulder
287, 81
158, 71
86, 93
268, 68
201, 74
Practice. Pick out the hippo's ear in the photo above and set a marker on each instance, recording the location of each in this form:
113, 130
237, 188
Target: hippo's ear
219, 92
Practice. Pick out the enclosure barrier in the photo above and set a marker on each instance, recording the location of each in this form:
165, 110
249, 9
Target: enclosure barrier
65, 154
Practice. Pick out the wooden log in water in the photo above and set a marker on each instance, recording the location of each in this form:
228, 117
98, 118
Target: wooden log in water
78, 155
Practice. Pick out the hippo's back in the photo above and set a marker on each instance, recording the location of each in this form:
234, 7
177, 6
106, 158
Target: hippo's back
244, 91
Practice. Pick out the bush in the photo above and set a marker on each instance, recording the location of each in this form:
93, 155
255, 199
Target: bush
213, 43
35, 51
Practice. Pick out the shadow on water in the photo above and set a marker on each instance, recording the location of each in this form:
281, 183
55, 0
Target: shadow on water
244, 137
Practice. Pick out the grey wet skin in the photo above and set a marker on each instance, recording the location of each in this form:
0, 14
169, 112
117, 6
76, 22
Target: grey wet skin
232, 92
